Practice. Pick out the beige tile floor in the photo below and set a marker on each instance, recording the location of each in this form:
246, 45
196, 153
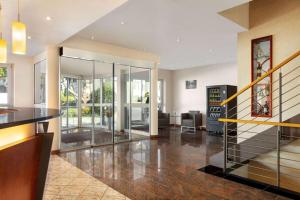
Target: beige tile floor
66, 182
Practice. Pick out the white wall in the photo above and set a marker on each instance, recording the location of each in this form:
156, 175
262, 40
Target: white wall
281, 20
51, 56
195, 99
23, 80
110, 50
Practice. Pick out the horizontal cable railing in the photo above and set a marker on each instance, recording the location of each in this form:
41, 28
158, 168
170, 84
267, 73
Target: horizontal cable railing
283, 63
266, 149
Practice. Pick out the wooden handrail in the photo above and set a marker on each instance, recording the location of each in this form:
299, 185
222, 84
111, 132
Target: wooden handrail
295, 55
293, 125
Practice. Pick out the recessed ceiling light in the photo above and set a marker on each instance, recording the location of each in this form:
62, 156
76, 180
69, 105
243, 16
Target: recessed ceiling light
178, 40
48, 18
92, 38
122, 22
29, 37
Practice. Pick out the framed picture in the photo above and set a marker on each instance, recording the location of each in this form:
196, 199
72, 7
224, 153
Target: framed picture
191, 84
261, 62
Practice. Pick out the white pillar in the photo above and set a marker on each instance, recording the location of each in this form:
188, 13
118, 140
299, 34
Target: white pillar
119, 108
154, 117
52, 56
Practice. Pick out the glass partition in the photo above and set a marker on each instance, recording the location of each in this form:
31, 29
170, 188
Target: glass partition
102, 103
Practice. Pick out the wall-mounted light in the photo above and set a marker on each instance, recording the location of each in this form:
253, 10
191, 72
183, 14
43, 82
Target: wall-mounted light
19, 35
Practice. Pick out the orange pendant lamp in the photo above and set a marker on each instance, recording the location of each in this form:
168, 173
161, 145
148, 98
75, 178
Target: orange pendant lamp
18, 35
3, 44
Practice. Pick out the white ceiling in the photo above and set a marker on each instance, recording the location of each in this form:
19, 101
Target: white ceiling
154, 26
68, 17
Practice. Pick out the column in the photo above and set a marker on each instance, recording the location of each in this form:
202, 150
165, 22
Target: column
154, 117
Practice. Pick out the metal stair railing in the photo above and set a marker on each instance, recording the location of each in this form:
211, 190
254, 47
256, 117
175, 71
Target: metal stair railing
261, 148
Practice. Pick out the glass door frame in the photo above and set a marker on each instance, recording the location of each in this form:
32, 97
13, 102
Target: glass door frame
93, 103
141, 104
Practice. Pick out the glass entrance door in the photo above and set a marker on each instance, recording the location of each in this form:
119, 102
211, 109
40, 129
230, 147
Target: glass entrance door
69, 102
140, 102
102, 103
76, 103
122, 103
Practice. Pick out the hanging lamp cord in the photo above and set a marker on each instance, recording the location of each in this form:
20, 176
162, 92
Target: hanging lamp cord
18, 10
0, 20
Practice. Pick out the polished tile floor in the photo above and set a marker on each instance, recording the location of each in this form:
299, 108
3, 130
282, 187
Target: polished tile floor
164, 168
66, 182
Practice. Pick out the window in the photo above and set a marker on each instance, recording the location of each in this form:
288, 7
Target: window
160, 95
40, 72
6, 98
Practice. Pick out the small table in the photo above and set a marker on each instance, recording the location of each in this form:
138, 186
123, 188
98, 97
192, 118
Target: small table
175, 117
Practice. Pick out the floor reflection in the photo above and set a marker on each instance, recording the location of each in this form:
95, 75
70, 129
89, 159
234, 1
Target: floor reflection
164, 168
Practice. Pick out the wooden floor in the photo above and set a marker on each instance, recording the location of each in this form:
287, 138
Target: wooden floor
264, 167
163, 168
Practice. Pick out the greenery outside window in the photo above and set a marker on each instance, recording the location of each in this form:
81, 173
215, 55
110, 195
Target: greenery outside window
77, 100
6, 88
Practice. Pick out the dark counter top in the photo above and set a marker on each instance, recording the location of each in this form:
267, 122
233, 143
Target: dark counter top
15, 116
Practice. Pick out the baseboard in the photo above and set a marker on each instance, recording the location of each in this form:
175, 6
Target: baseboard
55, 152
153, 137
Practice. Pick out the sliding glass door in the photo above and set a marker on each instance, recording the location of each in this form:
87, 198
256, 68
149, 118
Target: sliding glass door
102, 103
69, 102
140, 102
76, 86
122, 103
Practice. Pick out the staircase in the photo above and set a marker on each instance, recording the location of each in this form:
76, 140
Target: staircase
267, 150
263, 168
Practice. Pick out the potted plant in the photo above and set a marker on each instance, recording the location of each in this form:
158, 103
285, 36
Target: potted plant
108, 113
147, 95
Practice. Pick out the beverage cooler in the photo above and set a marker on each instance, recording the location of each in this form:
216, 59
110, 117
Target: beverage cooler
215, 95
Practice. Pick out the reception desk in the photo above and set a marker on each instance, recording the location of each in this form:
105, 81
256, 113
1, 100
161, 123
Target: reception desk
24, 153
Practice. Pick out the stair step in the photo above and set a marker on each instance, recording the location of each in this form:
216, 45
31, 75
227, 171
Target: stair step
263, 168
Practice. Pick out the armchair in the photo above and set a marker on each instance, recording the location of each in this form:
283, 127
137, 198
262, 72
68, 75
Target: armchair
163, 119
191, 120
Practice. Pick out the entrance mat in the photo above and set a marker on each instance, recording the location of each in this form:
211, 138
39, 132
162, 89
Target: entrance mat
216, 171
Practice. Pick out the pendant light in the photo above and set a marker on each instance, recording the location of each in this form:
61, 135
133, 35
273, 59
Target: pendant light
18, 35
3, 44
